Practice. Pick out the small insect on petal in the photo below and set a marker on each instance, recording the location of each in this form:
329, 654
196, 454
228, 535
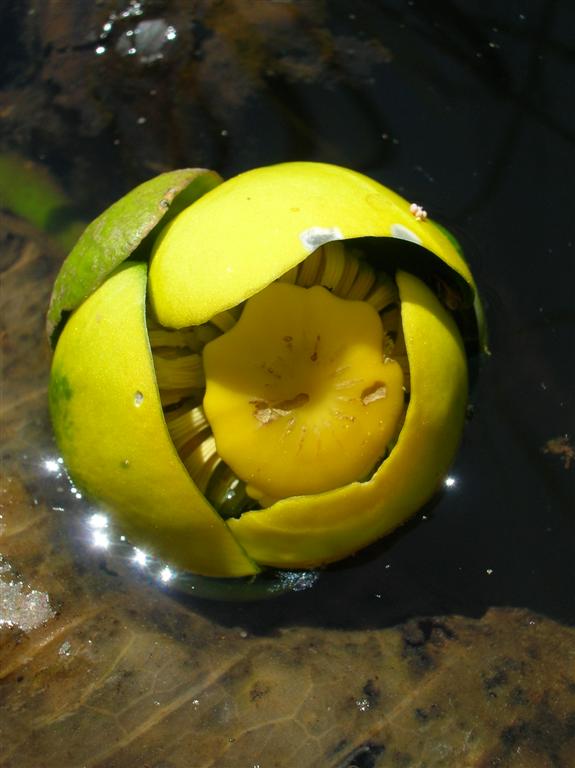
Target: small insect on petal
417, 211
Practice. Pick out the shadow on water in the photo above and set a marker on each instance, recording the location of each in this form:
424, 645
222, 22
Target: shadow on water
371, 590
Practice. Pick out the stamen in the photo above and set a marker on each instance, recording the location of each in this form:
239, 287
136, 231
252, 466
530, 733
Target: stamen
164, 338
203, 334
179, 372
404, 363
290, 276
400, 348
350, 271
202, 461
363, 282
311, 269
184, 425
151, 323
449, 295
224, 321
388, 344
171, 397
227, 492
391, 321
335, 258
400, 354
384, 294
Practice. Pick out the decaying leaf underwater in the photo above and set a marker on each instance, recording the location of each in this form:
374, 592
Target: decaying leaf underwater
266, 371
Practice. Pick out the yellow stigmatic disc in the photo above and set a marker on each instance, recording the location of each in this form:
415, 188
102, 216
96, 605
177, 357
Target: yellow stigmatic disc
299, 394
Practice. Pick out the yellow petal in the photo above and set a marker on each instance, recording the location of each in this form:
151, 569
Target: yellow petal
305, 531
111, 431
253, 228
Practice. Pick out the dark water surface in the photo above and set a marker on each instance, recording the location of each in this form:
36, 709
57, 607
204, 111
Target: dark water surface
448, 644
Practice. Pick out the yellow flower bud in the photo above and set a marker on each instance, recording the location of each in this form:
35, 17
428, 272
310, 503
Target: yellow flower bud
276, 378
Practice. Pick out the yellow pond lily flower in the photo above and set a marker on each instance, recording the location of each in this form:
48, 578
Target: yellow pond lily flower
276, 376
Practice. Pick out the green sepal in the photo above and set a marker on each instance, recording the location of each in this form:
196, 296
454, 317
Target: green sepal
118, 232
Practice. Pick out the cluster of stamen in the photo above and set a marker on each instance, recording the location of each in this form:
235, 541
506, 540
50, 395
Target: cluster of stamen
178, 362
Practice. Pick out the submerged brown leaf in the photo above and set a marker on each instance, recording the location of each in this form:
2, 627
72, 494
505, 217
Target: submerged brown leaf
124, 676
28, 263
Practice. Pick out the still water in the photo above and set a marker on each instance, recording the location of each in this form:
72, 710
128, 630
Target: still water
447, 644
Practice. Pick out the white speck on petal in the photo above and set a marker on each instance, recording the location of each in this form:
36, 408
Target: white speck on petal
403, 233
314, 237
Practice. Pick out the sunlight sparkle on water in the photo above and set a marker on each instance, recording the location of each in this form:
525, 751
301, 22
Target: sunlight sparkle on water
98, 521
166, 574
141, 558
100, 539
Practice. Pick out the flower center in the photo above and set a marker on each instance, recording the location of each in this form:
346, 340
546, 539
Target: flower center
299, 394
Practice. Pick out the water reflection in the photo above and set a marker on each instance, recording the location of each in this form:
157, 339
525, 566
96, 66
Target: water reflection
166, 574
52, 465
21, 606
140, 558
147, 40
98, 521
